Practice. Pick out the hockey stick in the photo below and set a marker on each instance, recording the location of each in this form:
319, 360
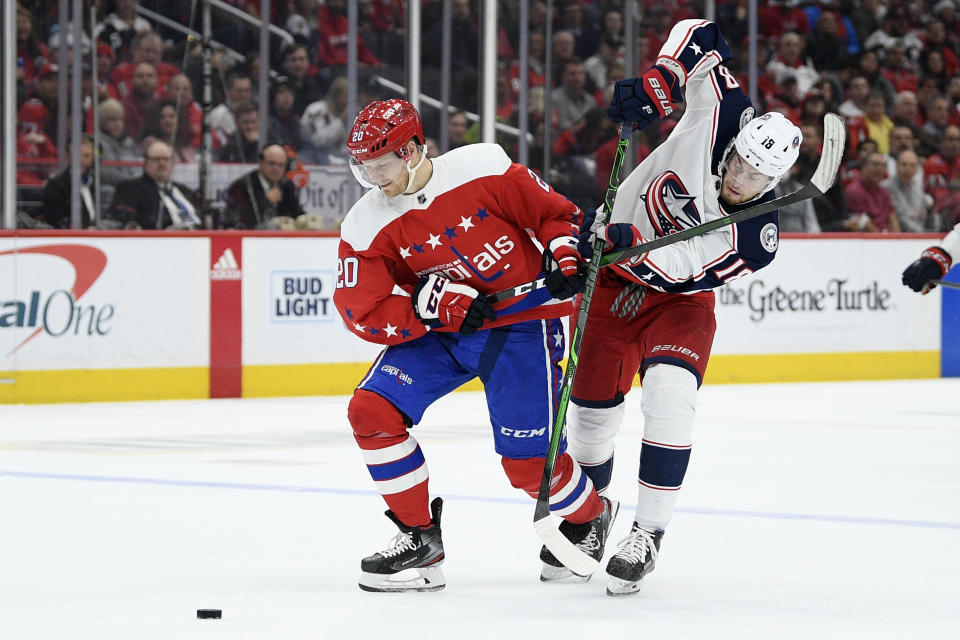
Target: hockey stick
948, 285
563, 550
834, 136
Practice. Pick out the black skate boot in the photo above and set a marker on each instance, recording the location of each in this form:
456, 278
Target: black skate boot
635, 558
412, 562
589, 537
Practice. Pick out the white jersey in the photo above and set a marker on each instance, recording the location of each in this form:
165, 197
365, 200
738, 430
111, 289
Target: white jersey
951, 244
676, 186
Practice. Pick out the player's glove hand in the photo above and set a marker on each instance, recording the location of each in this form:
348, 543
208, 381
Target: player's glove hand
587, 233
646, 99
565, 268
461, 307
620, 236
932, 264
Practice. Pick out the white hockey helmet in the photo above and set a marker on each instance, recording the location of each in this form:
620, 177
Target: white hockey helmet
771, 144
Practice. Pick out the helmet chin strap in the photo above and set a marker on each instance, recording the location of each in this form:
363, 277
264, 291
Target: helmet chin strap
412, 172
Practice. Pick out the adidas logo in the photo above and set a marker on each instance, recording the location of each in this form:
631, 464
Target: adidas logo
226, 267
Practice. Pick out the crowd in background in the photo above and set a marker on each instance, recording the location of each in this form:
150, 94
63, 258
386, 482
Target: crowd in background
890, 69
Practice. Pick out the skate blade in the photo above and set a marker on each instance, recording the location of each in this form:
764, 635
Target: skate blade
618, 587
408, 580
550, 573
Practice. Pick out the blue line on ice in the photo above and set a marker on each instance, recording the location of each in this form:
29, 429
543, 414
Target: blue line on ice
242, 486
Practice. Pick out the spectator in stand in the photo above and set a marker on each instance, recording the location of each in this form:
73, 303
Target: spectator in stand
57, 208
457, 125
895, 28
506, 106
800, 217
119, 28
866, 196
164, 124
221, 119
597, 66
141, 100
571, 99
284, 124
307, 87
897, 70
789, 61
943, 167
146, 47
387, 20
906, 110
32, 54
118, 151
244, 144
932, 72
938, 110
570, 18
733, 20
865, 16
936, 42
909, 200
857, 92
902, 139
464, 38
152, 201
324, 123
777, 19
827, 48
814, 107
612, 24
38, 115
105, 64
264, 198
874, 125
535, 61
563, 52
870, 67
331, 39
180, 90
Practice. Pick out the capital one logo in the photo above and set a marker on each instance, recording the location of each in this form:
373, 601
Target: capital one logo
57, 312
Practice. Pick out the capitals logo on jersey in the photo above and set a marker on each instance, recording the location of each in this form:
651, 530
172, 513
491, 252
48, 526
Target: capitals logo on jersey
669, 204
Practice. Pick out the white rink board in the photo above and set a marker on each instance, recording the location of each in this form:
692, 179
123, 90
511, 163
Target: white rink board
829, 295
300, 326
149, 307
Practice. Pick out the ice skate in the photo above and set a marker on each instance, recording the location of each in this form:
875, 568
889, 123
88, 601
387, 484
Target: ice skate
635, 558
413, 560
589, 537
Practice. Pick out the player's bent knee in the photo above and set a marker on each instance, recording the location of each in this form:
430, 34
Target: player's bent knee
668, 402
524, 473
591, 431
373, 416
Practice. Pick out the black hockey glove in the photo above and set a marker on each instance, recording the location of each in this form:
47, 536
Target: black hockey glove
565, 268
438, 300
932, 264
646, 99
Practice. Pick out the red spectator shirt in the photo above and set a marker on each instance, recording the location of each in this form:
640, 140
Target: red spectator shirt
332, 41
872, 200
939, 172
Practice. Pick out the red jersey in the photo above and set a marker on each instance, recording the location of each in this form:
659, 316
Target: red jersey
938, 173
474, 222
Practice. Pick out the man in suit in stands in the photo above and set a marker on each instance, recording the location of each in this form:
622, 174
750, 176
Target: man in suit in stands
56, 209
264, 198
152, 201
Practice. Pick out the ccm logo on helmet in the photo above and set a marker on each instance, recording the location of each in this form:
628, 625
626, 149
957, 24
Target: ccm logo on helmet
661, 96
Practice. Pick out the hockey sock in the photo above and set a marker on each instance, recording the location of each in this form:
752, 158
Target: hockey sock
572, 495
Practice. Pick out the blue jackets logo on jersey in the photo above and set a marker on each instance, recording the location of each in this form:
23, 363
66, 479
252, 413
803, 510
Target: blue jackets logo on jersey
670, 206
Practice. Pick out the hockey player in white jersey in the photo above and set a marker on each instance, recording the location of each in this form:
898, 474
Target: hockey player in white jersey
933, 263
654, 315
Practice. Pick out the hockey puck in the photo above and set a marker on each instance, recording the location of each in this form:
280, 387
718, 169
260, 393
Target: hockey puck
207, 614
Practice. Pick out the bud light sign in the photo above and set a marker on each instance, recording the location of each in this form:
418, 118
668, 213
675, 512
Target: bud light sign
302, 296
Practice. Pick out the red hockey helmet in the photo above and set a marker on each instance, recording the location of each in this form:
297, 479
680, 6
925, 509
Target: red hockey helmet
383, 126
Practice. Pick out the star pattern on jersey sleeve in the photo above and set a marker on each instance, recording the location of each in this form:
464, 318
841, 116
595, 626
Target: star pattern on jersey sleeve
450, 232
558, 338
696, 48
465, 223
418, 247
404, 332
434, 241
359, 327
482, 214
405, 252
390, 330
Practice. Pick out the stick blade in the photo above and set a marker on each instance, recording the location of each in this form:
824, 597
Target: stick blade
834, 139
563, 550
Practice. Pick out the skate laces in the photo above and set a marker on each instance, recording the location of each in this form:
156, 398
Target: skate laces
636, 545
401, 542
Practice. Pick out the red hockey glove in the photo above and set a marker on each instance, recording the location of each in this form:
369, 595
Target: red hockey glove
932, 264
461, 307
646, 99
564, 267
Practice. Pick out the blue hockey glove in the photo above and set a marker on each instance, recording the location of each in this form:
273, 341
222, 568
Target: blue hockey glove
932, 264
587, 234
646, 99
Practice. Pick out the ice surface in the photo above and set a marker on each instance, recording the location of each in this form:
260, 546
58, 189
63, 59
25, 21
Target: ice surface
809, 510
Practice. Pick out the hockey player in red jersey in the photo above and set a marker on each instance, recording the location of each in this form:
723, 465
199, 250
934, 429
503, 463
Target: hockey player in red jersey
654, 315
419, 253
